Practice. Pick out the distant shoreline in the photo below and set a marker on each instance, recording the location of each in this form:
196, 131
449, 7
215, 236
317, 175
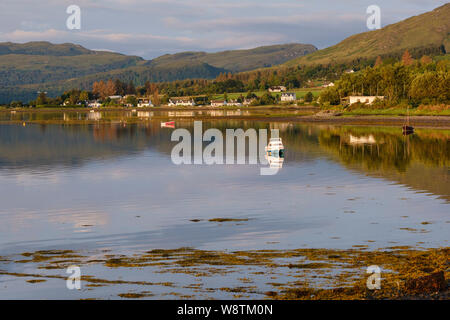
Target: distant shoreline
440, 121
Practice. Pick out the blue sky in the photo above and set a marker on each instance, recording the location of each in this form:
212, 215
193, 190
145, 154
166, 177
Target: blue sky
150, 28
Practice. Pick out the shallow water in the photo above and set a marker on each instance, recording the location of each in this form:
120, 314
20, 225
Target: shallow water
113, 186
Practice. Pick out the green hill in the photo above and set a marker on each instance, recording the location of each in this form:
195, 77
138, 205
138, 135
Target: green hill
428, 31
37, 66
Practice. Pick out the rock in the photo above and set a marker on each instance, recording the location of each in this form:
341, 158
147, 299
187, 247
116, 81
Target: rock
434, 282
328, 113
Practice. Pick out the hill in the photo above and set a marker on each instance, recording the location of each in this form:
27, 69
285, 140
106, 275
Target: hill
428, 32
29, 67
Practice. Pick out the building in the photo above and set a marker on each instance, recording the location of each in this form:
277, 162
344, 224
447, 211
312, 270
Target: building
329, 84
234, 103
144, 103
181, 102
277, 89
218, 103
248, 102
288, 96
94, 104
364, 99
350, 71
115, 97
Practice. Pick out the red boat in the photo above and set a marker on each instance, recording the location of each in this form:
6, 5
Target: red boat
169, 124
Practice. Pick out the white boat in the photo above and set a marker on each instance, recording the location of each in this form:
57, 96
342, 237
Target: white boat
275, 145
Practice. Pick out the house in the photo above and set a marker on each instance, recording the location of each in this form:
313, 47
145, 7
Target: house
327, 85
144, 103
115, 97
288, 96
234, 103
277, 89
350, 71
181, 102
94, 104
248, 102
218, 103
364, 99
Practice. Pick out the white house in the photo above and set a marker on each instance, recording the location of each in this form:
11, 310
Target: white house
277, 89
115, 97
234, 103
364, 99
144, 103
288, 96
248, 102
181, 102
350, 71
218, 103
327, 85
94, 104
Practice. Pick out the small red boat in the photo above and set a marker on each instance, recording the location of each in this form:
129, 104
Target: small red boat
169, 124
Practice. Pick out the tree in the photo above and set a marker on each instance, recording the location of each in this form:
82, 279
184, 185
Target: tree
155, 98
84, 96
425, 60
309, 97
132, 100
41, 99
407, 60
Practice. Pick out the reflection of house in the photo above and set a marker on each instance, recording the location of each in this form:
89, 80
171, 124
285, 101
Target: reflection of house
277, 89
94, 115
364, 99
362, 140
181, 102
218, 103
288, 96
144, 103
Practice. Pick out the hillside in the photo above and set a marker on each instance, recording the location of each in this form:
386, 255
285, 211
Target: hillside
427, 31
27, 68
240, 60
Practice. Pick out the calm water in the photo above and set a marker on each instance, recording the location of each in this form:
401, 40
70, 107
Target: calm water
114, 186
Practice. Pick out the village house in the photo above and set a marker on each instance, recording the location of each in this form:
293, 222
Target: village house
181, 102
94, 104
350, 71
115, 97
277, 89
144, 103
364, 99
288, 96
328, 85
248, 102
218, 103
234, 103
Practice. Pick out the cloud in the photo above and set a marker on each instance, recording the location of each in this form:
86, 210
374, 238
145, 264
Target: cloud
154, 27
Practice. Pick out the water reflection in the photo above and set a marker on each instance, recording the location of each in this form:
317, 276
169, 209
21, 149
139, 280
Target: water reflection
114, 184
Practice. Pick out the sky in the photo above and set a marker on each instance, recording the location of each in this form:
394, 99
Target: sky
150, 28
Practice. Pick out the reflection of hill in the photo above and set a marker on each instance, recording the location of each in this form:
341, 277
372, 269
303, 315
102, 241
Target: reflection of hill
420, 161
40, 145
